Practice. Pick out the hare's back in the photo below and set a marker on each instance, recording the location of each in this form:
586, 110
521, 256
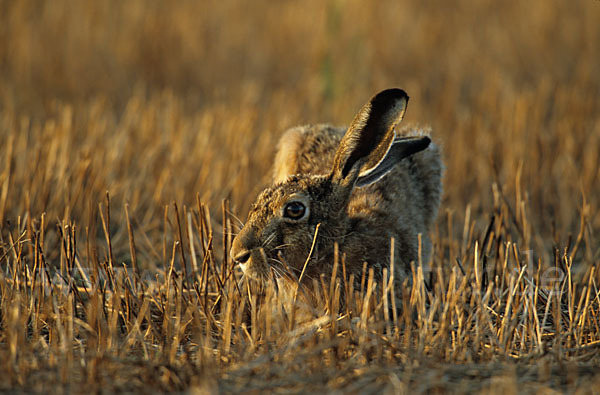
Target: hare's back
306, 150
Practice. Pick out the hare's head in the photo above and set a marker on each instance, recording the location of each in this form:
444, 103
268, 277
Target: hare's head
282, 223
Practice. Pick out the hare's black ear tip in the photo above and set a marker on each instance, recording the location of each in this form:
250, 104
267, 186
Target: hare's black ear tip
416, 143
391, 94
400, 93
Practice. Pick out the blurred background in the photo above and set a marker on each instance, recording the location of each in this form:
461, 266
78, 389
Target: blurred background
161, 102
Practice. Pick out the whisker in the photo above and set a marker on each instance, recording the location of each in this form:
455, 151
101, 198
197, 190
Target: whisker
282, 262
240, 222
269, 239
280, 271
274, 274
276, 260
281, 246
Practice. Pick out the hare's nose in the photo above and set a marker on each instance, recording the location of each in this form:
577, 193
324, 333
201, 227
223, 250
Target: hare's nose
243, 245
242, 257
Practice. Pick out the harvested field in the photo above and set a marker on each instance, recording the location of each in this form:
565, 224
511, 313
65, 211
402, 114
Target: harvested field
134, 136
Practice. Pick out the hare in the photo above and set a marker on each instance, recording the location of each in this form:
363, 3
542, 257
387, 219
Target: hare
360, 187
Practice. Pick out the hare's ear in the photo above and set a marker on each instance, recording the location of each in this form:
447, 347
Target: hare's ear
368, 141
401, 148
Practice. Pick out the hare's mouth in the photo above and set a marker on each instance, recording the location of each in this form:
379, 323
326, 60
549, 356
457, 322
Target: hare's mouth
249, 269
254, 265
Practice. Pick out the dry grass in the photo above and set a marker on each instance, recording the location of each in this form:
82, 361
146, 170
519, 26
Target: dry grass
133, 133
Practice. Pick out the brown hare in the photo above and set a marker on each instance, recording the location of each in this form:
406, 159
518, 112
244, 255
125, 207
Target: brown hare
363, 186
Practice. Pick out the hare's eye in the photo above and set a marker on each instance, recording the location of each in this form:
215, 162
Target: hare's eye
294, 210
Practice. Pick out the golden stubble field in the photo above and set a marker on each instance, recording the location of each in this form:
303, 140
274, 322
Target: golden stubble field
133, 135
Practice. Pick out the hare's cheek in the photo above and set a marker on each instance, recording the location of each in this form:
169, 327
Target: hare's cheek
297, 242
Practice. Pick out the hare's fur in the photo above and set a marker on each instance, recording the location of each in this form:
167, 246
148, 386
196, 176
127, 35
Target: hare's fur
402, 205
